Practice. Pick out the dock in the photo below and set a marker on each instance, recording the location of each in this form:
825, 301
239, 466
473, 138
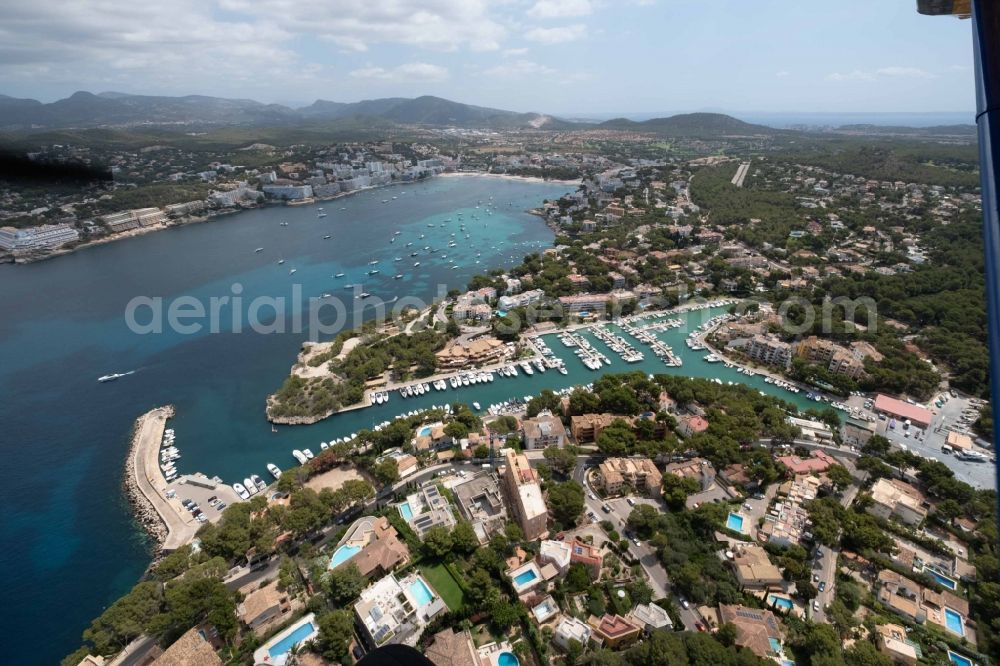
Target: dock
165, 520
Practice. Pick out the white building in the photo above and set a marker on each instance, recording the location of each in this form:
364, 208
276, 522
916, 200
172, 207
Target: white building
570, 628
44, 237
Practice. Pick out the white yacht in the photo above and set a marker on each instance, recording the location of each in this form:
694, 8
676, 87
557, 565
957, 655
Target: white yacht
274, 470
259, 482
241, 490
309, 454
250, 486
299, 456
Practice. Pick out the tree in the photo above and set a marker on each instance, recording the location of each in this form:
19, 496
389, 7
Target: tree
677, 488
503, 614
456, 430
574, 649
437, 541
643, 520
386, 472
566, 502
863, 653
562, 460
464, 539
617, 439
481, 451
839, 476
336, 630
344, 583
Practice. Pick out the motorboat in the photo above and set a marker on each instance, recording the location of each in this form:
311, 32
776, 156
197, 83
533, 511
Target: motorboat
241, 491
259, 482
274, 470
309, 454
250, 486
299, 456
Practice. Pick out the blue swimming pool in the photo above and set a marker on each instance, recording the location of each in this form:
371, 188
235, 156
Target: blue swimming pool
421, 593
954, 622
958, 659
424, 432
782, 603
301, 633
405, 511
775, 645
525, 577
941, 578
507, 659
343, 554
735, 522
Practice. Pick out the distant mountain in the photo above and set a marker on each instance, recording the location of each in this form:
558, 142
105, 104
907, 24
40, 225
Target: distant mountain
690, 124
934, 130
112, 109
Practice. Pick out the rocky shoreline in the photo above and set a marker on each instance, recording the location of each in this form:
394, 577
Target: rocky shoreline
142, 508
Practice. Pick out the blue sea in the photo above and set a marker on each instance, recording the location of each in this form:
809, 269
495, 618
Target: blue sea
69, 543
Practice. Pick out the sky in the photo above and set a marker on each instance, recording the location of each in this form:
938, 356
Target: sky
563, 57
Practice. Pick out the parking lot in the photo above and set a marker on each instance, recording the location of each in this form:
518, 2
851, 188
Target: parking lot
927, 443
199, 491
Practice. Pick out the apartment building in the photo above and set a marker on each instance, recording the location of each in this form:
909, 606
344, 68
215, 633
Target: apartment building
44, 237
480, 503
769, 350
587, 427
524, 495
543, 431
640, 473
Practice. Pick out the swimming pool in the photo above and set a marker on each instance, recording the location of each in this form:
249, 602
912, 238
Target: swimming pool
525, 577
782, 603
424, 432
941, 578
958, 659
507, 659
954, 622
301, 633
735, 522
343, 554
421, 593
775, 645
405, 511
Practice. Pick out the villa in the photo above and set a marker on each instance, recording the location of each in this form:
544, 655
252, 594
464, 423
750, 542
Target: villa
373, 545
427, 508
818, 462
394, 611
757, 630
190, 649
754, 570
571, 629
588, 555
613, 630
526, 577
480, 503
264, 605
891, 497
556, 553
650, 617
894, 643
452, 648
920, 604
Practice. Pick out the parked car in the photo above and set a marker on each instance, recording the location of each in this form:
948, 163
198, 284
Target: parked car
685, 604
822, 586
605, 508
631, 502
815, 606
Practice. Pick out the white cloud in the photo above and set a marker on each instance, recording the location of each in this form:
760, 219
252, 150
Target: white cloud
881, 72
546, 9
905, 72
559, 35
507, 53
519, 69
358, 24
782, 74
413, 71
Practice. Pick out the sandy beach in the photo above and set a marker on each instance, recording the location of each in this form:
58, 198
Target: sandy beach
507, 176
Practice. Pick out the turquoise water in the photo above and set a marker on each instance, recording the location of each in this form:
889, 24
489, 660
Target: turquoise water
953, 621
941, 578
421, 593
782, 603
735, 522
525, 577
507, 659
67, 435
405, 511
301, 633
344, 553
958, 659
775, 644
424, 431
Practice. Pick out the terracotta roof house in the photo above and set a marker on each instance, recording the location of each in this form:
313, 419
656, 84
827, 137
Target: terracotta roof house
452, 648
613, 630
263, 605
757, 630
191, 649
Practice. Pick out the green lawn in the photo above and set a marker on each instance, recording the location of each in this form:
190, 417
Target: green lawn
444, 583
